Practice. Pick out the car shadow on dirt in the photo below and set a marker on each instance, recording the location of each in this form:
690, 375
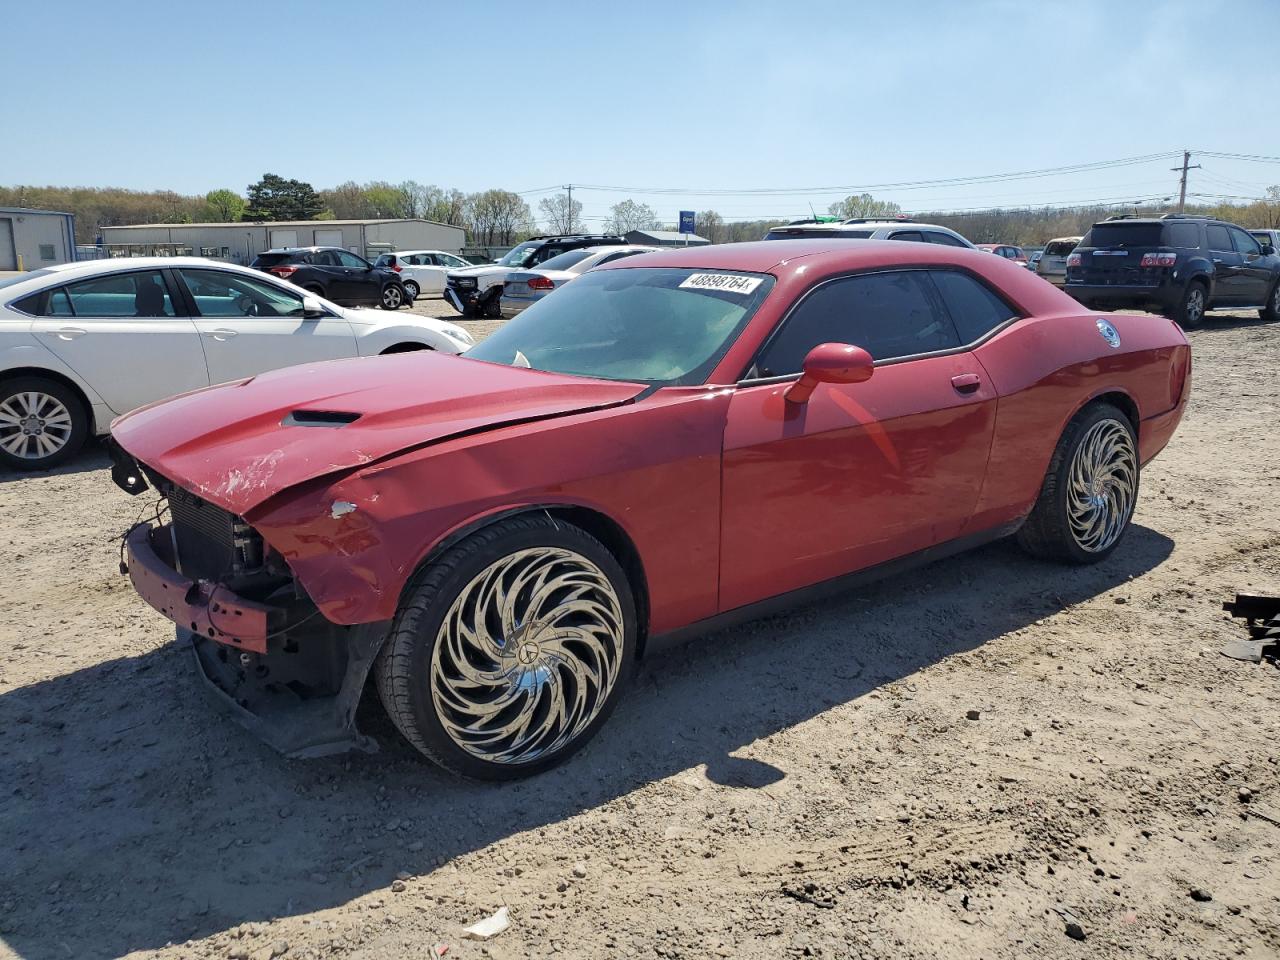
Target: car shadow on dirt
92, 457
134, 814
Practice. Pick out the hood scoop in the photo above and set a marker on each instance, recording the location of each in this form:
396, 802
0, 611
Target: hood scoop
319, 418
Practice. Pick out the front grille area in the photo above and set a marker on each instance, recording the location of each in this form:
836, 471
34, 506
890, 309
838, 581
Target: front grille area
211, 543
205, 536
462, 283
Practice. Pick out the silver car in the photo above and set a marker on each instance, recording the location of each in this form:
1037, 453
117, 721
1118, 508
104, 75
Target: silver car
527, 287
1053, 262
870, 228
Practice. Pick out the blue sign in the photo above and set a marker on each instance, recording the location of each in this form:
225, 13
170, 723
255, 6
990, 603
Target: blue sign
686, 221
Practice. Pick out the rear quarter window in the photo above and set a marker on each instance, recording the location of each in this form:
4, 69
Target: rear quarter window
1185, 235
975, 308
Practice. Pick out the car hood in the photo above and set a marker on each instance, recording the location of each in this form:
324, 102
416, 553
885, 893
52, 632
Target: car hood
478, 271
239, 444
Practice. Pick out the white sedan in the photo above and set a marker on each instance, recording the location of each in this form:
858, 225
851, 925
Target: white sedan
422, 272
81, 343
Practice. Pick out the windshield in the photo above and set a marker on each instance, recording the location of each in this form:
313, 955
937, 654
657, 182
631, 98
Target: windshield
23, 277
1123, 235
519, 255
566, 260
658, 325
791, 233
1059, 248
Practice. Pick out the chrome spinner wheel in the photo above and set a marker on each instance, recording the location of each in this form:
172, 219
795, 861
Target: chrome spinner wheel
34, 425
1103, 485
527, 655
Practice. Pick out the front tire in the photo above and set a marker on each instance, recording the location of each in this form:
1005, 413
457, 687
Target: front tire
1271, 312
492, 309
510, 650
42, 423
1090, 490
392, 297
1190, 311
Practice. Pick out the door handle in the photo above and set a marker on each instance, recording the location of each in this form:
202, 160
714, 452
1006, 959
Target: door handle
221, 334
70, 333
966, 382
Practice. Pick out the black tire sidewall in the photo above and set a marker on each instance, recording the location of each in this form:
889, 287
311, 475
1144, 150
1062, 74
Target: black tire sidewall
75, 406
1180, 315
411, 290
426, 631
1269, 311
382, 298
1072, 439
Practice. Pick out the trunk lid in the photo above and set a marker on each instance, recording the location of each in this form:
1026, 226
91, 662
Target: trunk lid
238, 444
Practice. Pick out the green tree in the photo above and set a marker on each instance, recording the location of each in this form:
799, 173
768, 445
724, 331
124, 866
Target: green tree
629, 215
223, 206
864, 205
561, 213
710, 225
275, 198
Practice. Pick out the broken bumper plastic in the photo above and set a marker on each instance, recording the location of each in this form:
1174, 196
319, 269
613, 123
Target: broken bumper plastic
208, 609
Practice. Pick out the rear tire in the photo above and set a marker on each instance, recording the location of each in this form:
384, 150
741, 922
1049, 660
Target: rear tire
1190, 311
510, 650
392, 297
1089, 492
42, 423
1271, 312
411, 290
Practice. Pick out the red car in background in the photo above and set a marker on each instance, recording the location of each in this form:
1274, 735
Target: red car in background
669, 443
1008, 251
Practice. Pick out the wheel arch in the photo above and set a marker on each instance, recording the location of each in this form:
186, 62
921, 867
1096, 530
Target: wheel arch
406, 346
601, 526
1117, 397
16, 373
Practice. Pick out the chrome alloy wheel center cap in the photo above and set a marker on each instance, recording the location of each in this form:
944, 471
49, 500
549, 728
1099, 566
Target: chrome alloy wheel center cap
32, 426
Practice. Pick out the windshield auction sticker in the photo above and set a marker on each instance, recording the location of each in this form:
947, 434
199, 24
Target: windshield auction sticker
726, 282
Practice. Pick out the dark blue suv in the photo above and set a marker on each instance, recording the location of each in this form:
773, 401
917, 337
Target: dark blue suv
1176, 265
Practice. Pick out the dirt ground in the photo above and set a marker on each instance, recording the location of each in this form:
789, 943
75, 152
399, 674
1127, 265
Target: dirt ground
806, 785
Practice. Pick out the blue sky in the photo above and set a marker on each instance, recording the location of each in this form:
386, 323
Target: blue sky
191, 96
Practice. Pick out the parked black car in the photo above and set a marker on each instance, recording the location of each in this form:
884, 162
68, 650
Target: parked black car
336, 275
1176, 265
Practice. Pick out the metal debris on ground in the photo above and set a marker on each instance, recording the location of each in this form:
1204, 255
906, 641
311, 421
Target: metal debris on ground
1261, 614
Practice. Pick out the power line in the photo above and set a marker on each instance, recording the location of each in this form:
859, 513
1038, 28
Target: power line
895, 185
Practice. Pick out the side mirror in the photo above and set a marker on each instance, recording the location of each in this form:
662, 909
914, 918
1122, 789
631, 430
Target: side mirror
831, 363
1268, 249
313, 309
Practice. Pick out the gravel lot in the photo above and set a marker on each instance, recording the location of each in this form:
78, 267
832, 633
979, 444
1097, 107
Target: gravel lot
807, 785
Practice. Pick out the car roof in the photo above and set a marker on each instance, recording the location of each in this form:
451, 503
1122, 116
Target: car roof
619, 248
764, 256
401, 253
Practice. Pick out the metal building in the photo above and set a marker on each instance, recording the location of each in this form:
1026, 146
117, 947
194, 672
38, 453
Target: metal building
31, 239
665, 238
241, 242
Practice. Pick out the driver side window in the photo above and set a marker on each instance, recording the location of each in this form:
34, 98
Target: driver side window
350, 260
219, 294
890, 315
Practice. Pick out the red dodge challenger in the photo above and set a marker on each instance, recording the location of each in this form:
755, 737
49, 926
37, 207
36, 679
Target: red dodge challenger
671, 442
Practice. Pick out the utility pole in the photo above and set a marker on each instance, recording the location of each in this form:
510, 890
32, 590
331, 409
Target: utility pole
1182, 189
569, 188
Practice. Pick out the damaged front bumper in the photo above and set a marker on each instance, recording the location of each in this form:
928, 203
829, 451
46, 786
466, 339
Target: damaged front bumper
295, 682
